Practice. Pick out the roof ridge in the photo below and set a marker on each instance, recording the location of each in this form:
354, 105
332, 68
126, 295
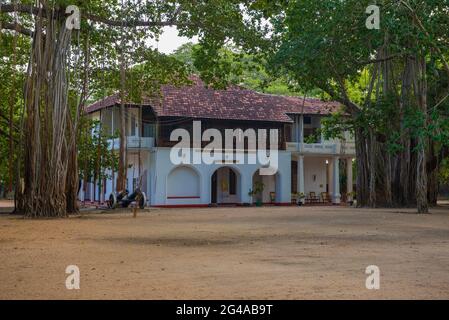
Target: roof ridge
235, 103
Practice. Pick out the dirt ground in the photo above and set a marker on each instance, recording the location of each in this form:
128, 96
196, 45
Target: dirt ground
228, 253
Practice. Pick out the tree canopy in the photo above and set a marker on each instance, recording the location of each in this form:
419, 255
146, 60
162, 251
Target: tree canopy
392, 81
60, 69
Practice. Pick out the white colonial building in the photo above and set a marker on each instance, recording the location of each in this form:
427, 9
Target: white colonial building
307, 163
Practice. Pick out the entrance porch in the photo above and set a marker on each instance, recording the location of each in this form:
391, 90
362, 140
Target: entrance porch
322, 179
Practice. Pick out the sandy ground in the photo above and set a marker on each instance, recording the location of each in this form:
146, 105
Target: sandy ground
228, 253
6, 204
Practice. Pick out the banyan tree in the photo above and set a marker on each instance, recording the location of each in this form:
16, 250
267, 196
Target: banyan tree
72, 43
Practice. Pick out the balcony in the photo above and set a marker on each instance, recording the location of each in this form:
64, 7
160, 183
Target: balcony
348, 148
133, 143
326, 148
318, 148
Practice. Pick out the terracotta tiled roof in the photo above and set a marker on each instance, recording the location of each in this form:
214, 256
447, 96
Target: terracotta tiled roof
104, 103
235, 103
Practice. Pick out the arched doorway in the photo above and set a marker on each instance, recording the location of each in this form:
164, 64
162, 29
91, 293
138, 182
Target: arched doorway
225, 186
271, 186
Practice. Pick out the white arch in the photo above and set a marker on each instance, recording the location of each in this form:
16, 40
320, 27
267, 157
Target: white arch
183, 182
277, 184
239, 175
231, 166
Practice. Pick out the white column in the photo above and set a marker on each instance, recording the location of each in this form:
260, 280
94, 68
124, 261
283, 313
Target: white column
300, 180
301, 129
81, 195
336, 196
330, 176
92, 192
102, 191
350, 178
246, 186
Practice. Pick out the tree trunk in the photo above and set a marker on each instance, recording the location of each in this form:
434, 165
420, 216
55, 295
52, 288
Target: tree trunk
421, 170
72, 182
372, 170
12, 103
121, 176
46, 145
362, 172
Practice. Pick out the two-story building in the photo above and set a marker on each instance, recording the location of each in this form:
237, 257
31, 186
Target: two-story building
306, 162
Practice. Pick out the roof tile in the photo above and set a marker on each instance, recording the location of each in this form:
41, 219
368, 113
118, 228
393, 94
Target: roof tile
234, 103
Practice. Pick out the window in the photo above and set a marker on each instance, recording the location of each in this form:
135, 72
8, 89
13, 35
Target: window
133, 125
312, 135
149, 130
307, 120
232, 183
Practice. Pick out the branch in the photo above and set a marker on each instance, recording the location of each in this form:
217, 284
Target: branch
22, 8
423, 29
18, 28
343, 98
130, 23
378, 60
25, 8
351, 107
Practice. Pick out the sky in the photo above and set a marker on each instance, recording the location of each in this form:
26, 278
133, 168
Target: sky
170, 41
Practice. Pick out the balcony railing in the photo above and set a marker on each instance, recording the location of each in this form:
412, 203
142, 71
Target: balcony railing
347, 148
133, 143
319, 148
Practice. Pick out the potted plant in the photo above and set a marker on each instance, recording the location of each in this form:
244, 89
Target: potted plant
301, 197
257, 192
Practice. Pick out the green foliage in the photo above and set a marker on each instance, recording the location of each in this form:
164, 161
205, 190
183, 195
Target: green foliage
258, 188
247, 70
10, 92
95, 157
444, 172
117, 33
326, 45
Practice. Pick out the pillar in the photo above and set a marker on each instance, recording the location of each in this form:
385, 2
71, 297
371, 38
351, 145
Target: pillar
330, 176
300, 180
336, 196
301, 129
246, 185
349, 174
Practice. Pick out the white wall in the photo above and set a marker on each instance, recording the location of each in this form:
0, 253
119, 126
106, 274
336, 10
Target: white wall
183, 182
315, 168
162, 166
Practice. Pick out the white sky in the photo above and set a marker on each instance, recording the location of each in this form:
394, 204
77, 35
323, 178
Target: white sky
169, 41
